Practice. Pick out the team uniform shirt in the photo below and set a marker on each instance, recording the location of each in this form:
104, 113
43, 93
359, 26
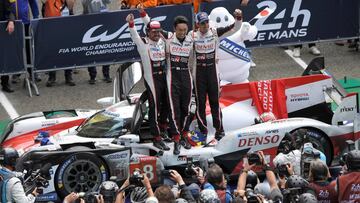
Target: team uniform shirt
206, 73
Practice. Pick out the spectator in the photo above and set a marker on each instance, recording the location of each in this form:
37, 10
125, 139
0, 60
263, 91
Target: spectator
216, 181
21, 9
348, 184
208, 196
312, 46
97, 6
185, 192
152, 53
275, 193
206, 75
318, 176
56, 8
136, 3
164, 194
139, 193
7, 14
72, 197
12, 188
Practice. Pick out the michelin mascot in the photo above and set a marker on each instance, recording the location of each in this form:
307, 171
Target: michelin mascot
234, 58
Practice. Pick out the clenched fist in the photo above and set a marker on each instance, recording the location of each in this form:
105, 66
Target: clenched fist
130, 18
238, 14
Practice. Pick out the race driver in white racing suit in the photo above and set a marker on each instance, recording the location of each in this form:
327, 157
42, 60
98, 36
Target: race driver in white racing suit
179, 55
206, 73
152, 54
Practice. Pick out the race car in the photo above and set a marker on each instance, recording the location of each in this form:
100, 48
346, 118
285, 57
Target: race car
113, 139
21, 133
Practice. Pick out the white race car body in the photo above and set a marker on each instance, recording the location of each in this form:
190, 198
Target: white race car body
22, 131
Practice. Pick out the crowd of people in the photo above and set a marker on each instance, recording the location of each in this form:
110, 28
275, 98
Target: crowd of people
285, 179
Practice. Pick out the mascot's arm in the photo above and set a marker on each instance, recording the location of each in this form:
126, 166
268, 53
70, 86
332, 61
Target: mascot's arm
223, 32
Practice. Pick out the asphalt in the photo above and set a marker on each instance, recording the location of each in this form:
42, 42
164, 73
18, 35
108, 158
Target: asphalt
271, 63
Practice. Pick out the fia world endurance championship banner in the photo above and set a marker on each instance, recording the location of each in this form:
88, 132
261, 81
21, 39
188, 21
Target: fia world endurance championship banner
296, 21
86, 40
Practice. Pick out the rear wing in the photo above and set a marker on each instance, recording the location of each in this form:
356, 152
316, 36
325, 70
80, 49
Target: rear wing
348, 103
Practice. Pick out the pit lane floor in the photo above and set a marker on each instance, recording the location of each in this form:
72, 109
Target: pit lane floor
271, 63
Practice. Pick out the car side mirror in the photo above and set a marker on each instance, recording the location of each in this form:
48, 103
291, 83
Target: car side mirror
106, 101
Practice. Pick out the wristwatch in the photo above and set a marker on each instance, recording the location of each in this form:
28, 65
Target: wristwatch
267, 167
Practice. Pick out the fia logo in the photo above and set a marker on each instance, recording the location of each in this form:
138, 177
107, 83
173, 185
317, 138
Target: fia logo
282, 29
121, 33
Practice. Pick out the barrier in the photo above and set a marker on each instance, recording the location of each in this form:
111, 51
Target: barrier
97, 39
298, 21
12, 60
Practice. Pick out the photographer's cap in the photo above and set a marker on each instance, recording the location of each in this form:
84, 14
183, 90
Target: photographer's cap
202, 17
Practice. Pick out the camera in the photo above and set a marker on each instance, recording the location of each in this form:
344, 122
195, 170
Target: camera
88, 197
136, 178
307, 156
165, 173
253, 158
251, 196
282, 170
36, 178
189, 170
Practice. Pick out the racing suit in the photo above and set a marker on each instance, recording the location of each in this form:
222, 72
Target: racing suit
179, 80
206, 73
154, 70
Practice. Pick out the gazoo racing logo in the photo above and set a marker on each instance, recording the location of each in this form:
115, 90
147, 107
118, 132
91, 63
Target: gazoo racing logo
121, 33
279, 27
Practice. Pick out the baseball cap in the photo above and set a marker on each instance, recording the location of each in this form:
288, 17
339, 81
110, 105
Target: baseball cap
195, 190
154, 25
202, 17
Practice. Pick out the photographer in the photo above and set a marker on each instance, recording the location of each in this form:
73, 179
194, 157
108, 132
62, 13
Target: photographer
216, 181
319, 182
185, 193
12, 189
275, 193
348, 184
120, 198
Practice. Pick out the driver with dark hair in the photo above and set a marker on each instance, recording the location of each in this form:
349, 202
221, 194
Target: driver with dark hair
179, 50
11, 186
152, 53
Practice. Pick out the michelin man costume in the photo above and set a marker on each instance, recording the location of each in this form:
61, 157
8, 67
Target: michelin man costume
234, 58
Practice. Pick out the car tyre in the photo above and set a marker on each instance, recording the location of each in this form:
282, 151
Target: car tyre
80, 172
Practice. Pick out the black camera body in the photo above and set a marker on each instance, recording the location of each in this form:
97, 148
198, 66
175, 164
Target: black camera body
251, 196
136, 178
36, 179
253, 158
282, 170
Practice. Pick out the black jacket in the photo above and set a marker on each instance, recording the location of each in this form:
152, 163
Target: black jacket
6, 11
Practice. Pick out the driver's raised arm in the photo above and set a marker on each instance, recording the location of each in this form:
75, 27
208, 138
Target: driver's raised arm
134, 34
146, 19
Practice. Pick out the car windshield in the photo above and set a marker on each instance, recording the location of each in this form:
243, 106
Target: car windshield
104, 124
